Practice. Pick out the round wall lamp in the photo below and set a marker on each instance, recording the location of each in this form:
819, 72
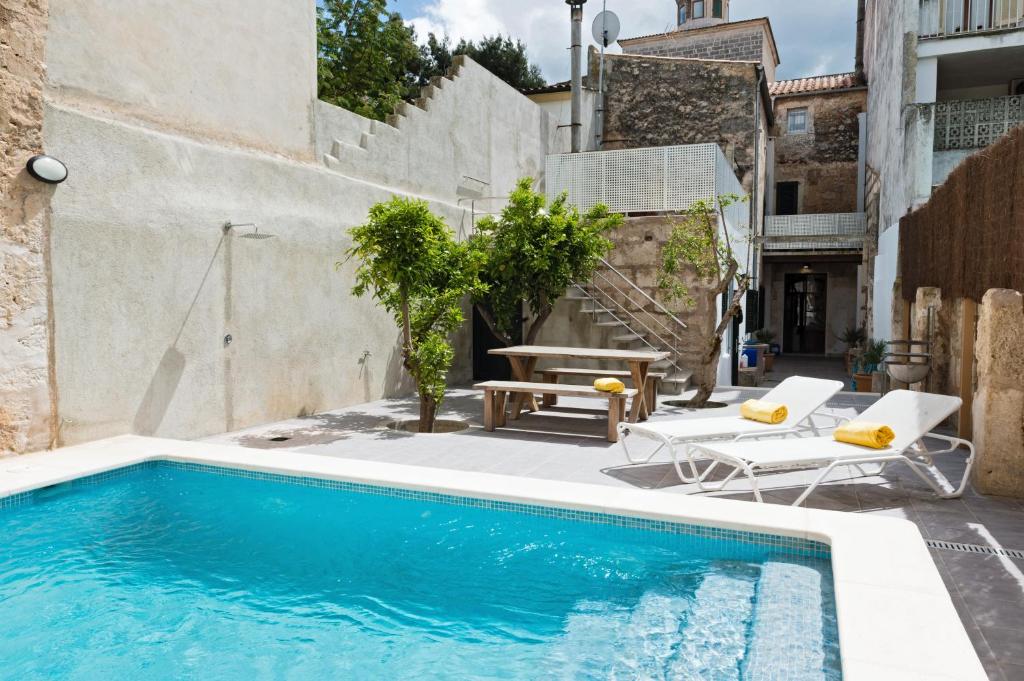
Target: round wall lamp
47, 169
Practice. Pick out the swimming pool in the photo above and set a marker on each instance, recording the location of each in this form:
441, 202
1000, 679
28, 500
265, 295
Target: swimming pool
169, 569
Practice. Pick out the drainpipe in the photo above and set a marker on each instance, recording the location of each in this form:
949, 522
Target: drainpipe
859, 56
755, 194
576, 15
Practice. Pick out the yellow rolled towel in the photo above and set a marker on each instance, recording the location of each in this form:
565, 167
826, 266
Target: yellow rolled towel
609, 385
764, 412
873, 435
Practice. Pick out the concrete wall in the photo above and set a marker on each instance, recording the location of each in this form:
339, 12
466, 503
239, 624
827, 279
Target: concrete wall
168, 137
26, 399
890, 60
885, 281
559, 106
824, 159
238, 71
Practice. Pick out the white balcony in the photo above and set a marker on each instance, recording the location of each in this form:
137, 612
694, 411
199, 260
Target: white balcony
819, 232
948, 18
650, 180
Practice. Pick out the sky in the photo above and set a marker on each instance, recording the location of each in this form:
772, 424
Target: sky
814, 38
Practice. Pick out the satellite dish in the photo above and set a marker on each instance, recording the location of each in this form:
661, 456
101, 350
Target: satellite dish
606, 28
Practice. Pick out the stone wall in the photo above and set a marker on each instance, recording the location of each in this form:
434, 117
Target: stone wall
999, 401
653, 101
739, 41
26, 401
824, 159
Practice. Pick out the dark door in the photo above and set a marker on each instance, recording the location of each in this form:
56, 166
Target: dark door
806, 301
488, 367
787, 198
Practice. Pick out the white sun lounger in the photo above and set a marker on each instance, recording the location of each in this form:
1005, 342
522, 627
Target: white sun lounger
911, 415
802, 396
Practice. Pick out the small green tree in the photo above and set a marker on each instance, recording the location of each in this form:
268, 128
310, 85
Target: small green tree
534, 254
365, 56
412, 265
700, 247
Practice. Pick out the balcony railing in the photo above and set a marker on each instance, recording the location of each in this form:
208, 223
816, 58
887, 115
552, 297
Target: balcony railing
975, 123
821, 232
945, 18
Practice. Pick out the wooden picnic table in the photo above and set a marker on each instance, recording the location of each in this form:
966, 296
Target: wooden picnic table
524, 358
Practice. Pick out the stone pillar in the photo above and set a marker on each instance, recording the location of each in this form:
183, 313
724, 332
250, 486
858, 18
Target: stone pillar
999, 402
26, 400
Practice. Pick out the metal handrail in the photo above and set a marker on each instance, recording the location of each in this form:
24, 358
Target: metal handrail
654, 302
638, 321
605, 309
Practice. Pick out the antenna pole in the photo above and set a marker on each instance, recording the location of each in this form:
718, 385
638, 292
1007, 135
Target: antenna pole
576, 14
599, 133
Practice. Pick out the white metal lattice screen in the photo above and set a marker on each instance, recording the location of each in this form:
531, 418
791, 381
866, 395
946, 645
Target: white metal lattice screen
637, 180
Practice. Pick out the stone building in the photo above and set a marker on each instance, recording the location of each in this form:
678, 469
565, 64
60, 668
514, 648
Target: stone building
813, 246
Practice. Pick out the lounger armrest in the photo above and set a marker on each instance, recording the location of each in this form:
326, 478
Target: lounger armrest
954, 442
774, 433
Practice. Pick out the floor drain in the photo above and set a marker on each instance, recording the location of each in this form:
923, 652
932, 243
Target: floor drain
281, 438
973, 548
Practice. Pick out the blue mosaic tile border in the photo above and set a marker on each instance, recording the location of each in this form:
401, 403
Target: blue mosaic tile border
778, 545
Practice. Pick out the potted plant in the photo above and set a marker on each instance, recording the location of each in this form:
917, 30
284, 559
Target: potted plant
867, 365
853, 337
765, 337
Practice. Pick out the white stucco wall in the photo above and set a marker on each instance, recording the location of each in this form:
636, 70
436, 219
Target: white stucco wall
890, 60
169, 137
237, 70
886, 263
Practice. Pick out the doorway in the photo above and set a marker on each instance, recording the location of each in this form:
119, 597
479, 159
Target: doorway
805, 320
488, 367
787, 198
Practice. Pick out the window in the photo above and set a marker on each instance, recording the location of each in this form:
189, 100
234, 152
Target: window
682, 14
716, 9
797, 121
787, 198
698, 9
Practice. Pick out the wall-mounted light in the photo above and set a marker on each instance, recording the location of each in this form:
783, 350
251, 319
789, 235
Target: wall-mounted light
47, 169
806, 269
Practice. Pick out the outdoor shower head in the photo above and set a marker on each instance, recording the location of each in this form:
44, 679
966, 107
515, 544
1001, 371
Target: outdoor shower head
254, 234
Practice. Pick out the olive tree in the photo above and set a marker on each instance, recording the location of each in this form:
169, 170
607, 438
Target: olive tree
410, 262
532, 253
701, 249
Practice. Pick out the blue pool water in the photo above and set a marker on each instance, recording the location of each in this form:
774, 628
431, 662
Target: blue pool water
165, 571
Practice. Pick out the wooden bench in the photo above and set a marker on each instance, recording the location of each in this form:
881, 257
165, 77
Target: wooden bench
496, 397
551, 376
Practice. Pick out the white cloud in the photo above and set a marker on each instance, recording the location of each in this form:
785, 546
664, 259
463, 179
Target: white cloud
813, 37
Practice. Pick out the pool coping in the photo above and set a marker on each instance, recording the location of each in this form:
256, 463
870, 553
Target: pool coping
896, 618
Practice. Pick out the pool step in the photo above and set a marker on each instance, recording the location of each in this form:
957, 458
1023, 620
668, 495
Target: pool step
786, 634
714, 641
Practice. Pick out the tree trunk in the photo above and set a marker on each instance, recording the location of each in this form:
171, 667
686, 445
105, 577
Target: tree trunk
531, 335
706, 375
428, 414
485, 314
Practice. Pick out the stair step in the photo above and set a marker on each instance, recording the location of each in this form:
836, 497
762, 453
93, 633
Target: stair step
628, 338
611, 324
342, 150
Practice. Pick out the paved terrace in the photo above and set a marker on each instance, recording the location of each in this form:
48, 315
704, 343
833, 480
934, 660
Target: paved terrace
568, 444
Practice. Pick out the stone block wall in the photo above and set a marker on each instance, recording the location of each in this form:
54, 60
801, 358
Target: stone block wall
653, 102
26, 409
999, 401
743, 45
824, 159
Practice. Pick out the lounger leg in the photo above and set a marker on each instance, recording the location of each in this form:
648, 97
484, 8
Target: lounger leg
817, 481
623, 438
489, 411
550, 400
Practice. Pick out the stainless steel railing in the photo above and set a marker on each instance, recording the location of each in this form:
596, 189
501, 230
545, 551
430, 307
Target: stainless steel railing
947, 18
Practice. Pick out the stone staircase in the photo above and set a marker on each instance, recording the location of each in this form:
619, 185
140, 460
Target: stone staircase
635, 321
355, 141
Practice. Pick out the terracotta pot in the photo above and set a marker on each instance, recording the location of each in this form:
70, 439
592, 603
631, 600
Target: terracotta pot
769, 361
865, 382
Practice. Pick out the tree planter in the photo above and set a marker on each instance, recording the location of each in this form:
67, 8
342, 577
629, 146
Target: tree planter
769, 361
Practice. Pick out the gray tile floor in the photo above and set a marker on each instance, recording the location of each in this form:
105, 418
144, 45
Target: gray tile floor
567, 443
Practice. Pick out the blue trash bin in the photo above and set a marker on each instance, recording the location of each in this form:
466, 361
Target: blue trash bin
751, 355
